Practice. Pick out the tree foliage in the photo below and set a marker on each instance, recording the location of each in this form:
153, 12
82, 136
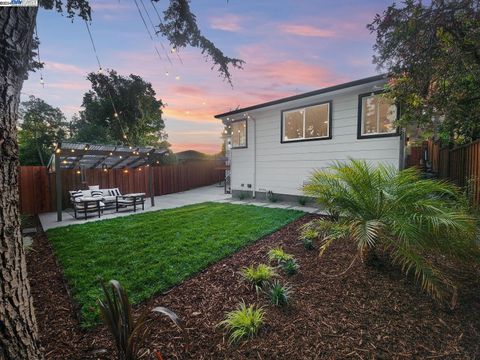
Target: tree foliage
412, 219
432, 52
180, 28
134, 118
42, 125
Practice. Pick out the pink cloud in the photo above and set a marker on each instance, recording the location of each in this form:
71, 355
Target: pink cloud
227, 22
72, 85
64, 68
306, 30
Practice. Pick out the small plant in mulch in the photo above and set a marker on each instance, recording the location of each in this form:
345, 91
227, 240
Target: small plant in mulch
244, 322
260, 276
278, 255
302, 200
128, 335
290, 267
279, 294
272, 197
308, 244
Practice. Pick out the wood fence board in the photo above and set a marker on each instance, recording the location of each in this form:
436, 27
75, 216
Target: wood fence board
37, 186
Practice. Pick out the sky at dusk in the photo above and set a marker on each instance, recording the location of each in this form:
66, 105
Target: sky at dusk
289, 47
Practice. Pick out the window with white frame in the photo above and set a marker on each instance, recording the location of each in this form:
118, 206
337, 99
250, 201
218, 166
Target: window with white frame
377, 116
308, 123
239, 134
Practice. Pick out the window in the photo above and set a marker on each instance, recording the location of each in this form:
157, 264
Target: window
377, 116
239, 134
309, 123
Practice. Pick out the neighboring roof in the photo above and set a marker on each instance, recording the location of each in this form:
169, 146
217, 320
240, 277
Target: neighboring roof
90, 156
191, 155
196, 155
307, 94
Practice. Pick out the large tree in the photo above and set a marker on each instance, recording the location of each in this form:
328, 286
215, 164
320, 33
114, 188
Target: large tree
120, 109
18, 330
432, 53
41, 126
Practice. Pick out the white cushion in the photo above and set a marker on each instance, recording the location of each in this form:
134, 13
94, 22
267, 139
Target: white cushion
97, 193
105, 192
94, 187
114, 192
108, 198
86, 193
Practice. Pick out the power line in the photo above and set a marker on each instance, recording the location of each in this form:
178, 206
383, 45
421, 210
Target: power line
161, 23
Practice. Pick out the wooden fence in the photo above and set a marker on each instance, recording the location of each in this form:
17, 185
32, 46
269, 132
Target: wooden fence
461, 165
37, 186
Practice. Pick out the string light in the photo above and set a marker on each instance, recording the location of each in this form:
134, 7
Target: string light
146, 27
177, 77
72, 150
42, 82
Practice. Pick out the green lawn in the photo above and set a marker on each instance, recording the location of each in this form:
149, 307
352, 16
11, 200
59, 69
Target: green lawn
151, 252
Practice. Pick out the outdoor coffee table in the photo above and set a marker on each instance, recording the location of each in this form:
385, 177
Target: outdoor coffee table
87, 202
131, 200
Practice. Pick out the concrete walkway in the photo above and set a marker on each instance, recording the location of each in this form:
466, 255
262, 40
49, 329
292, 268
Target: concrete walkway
204, 194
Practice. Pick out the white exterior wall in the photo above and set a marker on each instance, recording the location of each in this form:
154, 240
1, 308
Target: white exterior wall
284, 167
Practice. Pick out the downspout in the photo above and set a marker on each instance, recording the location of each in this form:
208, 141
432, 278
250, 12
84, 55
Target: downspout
254, 185
401, 160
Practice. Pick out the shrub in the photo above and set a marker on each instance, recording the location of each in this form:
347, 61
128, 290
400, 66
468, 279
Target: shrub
272, 197
290, 267
278, 255
116, 312
259, 277
242, 195
279, 294
243, 322
302, 200
308, 244
410, 217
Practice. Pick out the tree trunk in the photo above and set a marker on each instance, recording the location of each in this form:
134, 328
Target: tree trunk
18, 329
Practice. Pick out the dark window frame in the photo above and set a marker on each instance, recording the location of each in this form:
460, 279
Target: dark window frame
360, 135
330, 118
246, 133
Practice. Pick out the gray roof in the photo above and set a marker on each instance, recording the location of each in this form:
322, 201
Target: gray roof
90, 156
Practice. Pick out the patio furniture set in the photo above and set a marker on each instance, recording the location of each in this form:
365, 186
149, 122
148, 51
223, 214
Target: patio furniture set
96, 200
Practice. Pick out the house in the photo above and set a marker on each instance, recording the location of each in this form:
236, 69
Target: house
276, 145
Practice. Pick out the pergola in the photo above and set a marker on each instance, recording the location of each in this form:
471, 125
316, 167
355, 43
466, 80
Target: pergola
92, 156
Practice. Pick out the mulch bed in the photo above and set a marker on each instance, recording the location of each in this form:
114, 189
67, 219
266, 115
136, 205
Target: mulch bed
366, 313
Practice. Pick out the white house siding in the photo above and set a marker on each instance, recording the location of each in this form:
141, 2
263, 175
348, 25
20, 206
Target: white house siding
284, 167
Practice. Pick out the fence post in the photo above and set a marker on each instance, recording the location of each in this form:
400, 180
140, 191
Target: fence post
58, 186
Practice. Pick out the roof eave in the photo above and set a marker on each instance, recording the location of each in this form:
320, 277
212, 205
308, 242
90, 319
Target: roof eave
305, 95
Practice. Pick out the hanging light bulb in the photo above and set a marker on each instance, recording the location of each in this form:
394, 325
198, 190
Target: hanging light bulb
42, 82
173, 50
115, 114
166, 73
100, 70
177, 77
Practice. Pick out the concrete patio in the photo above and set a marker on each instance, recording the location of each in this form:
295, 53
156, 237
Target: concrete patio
204, 194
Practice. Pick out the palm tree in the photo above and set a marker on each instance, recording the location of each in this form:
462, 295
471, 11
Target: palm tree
410, 218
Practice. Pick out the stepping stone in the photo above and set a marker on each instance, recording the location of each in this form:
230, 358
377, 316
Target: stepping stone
27, 242
29, 231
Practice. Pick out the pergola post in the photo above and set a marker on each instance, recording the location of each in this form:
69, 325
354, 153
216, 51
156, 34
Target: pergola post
58, 186
150, 185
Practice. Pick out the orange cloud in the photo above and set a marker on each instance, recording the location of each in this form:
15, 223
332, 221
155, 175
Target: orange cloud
307, 30
227, 22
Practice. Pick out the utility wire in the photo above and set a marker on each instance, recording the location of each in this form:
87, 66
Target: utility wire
161, 22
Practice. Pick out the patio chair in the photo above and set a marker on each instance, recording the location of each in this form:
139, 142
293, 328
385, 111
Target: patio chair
85, 203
